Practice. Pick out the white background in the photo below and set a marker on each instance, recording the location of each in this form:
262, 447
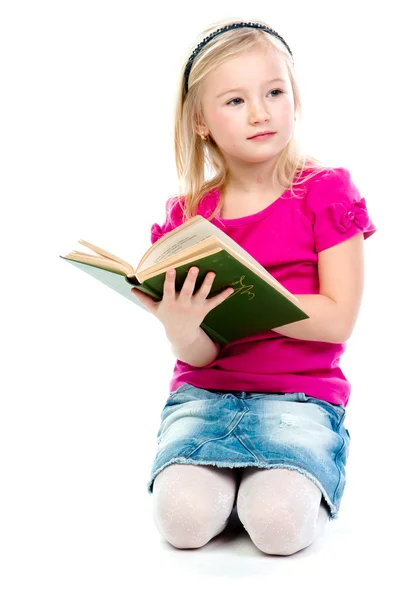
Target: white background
87, 98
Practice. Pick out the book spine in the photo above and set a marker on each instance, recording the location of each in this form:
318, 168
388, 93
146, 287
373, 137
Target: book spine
216, 337
146, 289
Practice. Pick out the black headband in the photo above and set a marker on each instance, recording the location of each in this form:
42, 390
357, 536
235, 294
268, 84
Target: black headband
222, 30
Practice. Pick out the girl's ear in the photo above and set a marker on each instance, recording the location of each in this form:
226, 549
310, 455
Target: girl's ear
199, 126
201, 131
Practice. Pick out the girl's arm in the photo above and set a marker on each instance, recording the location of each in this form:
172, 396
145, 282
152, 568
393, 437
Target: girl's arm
200, 353
334, 311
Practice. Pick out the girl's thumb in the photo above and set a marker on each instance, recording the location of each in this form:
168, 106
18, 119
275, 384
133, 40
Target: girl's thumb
148, 302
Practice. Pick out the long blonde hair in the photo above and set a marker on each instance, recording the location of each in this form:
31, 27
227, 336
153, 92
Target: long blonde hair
193, 154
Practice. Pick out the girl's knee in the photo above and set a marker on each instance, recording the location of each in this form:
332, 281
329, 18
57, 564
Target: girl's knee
284, 537
191, 506
281, 510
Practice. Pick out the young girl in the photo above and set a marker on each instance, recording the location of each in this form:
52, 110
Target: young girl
259, 424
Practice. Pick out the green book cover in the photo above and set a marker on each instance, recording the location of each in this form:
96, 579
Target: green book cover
255, 305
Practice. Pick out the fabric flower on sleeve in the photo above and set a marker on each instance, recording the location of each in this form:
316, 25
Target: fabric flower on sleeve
156, 232
344, 216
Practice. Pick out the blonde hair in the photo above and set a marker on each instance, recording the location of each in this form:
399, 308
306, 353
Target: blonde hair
192, 153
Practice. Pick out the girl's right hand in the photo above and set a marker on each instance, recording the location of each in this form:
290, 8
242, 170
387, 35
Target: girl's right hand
181, 313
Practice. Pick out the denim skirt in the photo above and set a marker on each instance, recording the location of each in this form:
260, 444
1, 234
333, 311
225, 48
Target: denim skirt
251, 429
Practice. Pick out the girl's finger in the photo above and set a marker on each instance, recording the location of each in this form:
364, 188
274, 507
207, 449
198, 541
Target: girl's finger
206, 285
169, 283
190, 282
219, 298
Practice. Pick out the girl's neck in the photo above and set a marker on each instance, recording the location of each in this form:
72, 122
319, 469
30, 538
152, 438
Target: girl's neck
230, 194
237, 204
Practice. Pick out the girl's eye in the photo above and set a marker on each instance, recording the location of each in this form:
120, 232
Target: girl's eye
280, 92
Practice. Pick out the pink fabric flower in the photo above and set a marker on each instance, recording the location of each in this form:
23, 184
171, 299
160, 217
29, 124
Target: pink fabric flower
344, 215
156, 232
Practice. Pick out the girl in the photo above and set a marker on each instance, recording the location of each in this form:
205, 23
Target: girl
259, 424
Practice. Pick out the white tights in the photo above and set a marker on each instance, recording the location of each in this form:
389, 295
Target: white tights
282, 510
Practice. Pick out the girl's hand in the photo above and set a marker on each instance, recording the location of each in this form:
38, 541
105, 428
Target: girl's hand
181, 313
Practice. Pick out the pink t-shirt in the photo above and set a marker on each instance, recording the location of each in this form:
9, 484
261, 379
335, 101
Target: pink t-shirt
285, 238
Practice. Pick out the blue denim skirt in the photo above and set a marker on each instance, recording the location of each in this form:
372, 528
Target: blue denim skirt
251, 429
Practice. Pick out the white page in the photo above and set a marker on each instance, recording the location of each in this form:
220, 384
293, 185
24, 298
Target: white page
190, 236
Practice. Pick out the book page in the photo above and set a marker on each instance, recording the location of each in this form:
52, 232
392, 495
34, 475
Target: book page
181, 243
188, 235
179, 239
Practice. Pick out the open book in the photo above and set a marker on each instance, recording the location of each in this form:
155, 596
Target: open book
259, 302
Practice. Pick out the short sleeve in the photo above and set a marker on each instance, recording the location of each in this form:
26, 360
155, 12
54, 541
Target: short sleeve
337, 209
173, 218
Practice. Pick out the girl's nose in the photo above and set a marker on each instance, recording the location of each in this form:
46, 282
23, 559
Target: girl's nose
259, 113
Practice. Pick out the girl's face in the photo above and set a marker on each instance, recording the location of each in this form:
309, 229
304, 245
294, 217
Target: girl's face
258, 103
